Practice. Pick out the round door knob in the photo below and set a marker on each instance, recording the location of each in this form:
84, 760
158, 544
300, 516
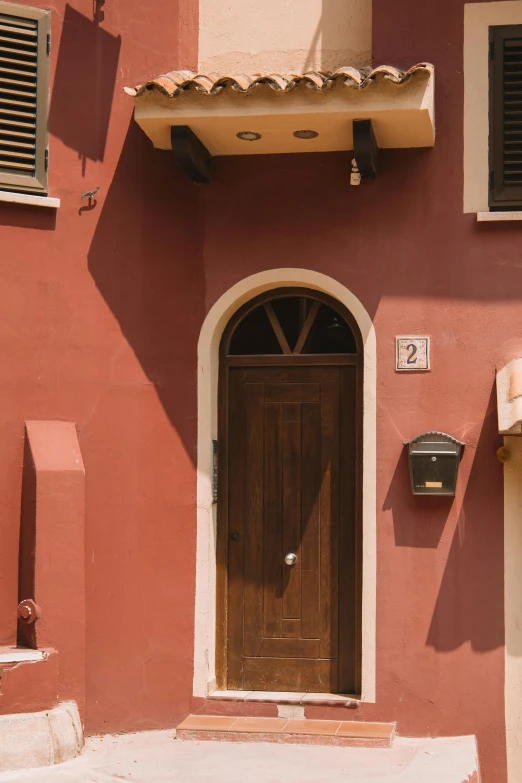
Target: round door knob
290, 559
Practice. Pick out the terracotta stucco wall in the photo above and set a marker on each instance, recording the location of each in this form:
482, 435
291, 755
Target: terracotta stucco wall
247, 36
101, 313
474, 269
409, 256
419, 265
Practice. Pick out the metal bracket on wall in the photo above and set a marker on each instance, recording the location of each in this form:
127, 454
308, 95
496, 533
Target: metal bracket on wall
214, 471
29, 611
365, 149
191, 154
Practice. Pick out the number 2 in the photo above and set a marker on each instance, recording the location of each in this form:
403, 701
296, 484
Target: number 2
410, 359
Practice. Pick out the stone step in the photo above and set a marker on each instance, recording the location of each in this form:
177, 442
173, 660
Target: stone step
280, 730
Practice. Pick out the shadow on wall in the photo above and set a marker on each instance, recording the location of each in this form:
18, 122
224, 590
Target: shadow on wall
27, 548
470, 604
85, 78
24, 216
407, 508
328, 44
145, 260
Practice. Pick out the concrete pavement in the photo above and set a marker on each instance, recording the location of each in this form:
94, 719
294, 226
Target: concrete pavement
156, 757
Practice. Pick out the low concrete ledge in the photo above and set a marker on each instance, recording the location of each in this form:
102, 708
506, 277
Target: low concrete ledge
9, 655
40, 739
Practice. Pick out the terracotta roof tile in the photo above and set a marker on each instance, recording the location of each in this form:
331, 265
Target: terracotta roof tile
174, 83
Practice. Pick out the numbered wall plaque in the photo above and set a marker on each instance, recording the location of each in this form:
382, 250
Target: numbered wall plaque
413, 353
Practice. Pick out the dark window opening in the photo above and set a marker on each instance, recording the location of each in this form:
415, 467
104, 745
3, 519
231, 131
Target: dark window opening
330, 334
505, 112
292, 325
291, 312
24, 87
254, 335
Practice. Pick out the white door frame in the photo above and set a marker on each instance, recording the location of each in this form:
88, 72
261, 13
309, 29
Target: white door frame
208, 366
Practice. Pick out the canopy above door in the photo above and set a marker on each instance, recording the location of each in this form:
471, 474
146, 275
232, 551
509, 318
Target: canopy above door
267, 110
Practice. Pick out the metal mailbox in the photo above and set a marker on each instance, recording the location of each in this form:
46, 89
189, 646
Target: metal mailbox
434, 459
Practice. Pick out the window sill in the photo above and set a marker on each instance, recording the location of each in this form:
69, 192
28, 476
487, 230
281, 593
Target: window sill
494, 217
26, 198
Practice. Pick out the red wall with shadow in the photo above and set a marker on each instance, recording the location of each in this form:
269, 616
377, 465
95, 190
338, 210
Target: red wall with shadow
419, 265
101, 314
102, 307
403, 246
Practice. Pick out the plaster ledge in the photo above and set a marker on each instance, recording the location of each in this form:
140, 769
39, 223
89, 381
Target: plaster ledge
509, 398
21, 655
497, 217
40, 739
29, 199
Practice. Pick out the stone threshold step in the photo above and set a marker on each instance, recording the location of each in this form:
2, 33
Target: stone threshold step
306, 732
285, 697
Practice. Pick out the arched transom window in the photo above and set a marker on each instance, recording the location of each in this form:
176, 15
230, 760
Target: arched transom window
294, 322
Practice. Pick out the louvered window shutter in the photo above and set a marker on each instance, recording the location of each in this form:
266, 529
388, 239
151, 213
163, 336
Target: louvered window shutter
505, 111
24, 97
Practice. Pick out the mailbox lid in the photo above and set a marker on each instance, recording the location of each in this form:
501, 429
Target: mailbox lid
432, 447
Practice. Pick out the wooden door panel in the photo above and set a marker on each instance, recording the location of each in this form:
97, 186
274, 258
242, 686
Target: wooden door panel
291, 521
291, 628
291, 674
329, 519
350, 545
291, 648
291, 411
310, 539
252, 512
292, 392
285, 426
236, 555
293, 375
270, 589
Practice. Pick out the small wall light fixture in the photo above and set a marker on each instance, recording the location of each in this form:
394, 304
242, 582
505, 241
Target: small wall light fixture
248, 136
306, 134
434, 459
355, 176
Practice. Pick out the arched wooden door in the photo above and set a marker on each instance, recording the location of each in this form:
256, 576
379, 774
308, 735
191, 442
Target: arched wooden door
289, 543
